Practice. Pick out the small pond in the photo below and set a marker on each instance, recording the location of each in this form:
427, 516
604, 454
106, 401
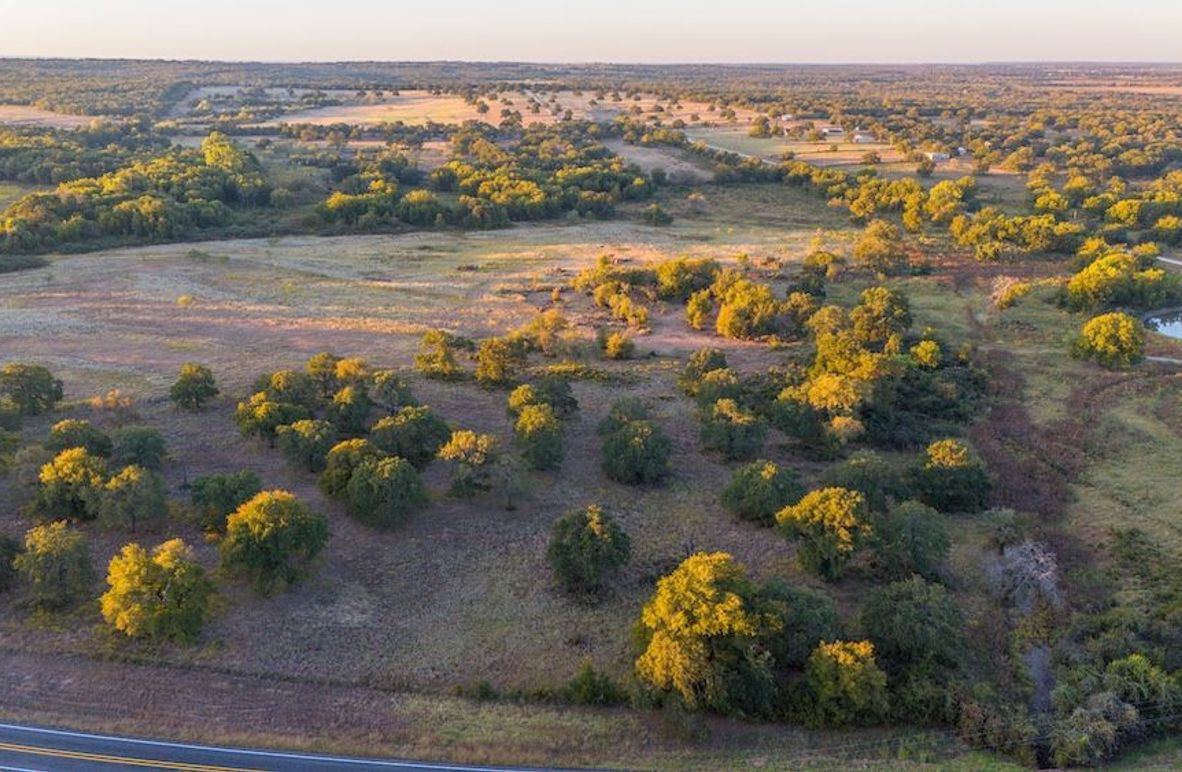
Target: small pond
1168, 323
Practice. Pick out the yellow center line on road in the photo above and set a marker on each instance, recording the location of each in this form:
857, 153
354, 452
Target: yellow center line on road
102, 758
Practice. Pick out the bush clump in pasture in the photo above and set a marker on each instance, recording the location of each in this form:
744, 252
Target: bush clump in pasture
165, 594
1115, 341
413, 433
216, 496
586, 546
305, 444
194, 386
759, 490
384, 492
55, 567
950, 478
829, 524
30, 389
272, 539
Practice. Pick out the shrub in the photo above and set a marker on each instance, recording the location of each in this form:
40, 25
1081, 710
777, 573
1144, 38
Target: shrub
590, 687
305, 444
130, 498
68, 486
339, 464
1115, 341
261, 416
217, 495
272, 538
55, 566
10, 548
321, 369
349, 410
747, 310
880, 248
654, 214
698, 308
703, 638
869, 474
539, 434
139, 446
881, 313
437, 355
621, 413
389, 392
914, 623
474, 456
31, 389
734, 433
950, 478
759, 490
194, 387
845, 685
912, 539
162, 595
618, 345
829, 524
637, 454
586, 545
291, 387
806, 618
681, 277
75, 433
699, 363
499, 361
555, 392
383, 492
414, 433
718, 384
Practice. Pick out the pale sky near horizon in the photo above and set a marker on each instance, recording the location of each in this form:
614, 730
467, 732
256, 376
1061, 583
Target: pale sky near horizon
602, 31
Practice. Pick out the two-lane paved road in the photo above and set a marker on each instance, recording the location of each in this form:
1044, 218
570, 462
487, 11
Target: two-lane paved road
28, 748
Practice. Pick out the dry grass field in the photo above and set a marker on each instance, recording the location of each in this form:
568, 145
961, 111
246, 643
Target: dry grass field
27, 115
417, 107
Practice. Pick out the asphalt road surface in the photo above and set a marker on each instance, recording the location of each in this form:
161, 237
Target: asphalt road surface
28, 748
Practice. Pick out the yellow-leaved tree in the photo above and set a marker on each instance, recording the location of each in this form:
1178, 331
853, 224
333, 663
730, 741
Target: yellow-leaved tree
165, 594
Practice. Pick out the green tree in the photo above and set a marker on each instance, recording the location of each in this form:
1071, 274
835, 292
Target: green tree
555, 392
349, 410
414, 433
389, 391
759, 490
498, 361
845, 684
731, 431
339, 465
697, 365
804, 619
31, 389
68, 486
950, 478
77, 433
1115, 341
475, 456
10, 548
829, 525
132, 497
55, 567
218, 495
139, 446
703, 638
586, 545
912, 539
871, 475
383, 492
162, 595
914, 623
880, 248
881, 313
272, 538
194, 387
305, 444
539, 433
637, 453
261, 416
437, 355
322, 370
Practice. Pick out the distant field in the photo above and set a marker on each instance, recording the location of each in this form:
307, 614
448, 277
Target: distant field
773, 148
10, 193
417, 107
26, 115
677, 164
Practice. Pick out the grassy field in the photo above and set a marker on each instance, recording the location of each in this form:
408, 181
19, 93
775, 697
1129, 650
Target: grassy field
454, 598
10, 193
27, 115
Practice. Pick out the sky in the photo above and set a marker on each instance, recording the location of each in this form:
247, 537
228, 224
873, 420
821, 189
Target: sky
649, 31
